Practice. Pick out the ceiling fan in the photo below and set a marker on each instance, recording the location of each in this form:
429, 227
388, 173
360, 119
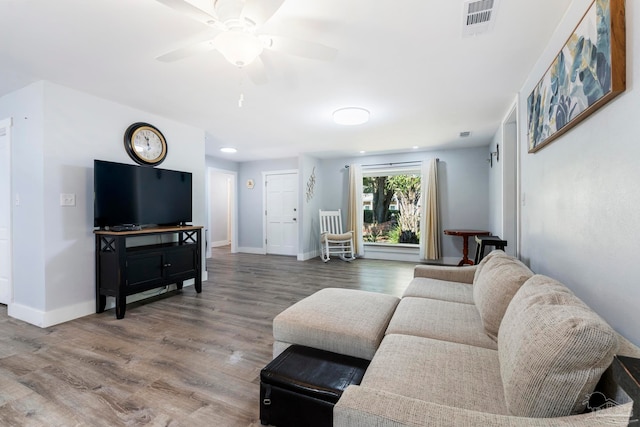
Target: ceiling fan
237, 39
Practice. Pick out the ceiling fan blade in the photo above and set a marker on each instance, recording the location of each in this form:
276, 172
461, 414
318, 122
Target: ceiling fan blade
257, 12
257, 72
191, 11
299, 47
185, 52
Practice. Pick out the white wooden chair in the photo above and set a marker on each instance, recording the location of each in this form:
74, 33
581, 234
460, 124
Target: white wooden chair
333, 241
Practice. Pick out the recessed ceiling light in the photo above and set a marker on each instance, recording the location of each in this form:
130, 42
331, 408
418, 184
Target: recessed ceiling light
415, 147
362, 152
228, 150
351, 116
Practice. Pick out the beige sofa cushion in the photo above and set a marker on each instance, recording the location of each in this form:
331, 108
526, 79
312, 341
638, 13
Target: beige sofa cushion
553, 350
442, 372
442, 320
345, 321
485, 260
444, 290
496, 283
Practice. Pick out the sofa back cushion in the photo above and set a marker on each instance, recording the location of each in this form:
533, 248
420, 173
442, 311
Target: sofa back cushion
485, 260
552, 350
496, 283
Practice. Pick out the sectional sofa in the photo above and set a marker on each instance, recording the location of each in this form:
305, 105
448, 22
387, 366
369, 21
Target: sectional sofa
487, 345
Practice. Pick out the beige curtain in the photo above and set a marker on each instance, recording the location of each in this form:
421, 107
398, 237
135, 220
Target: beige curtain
431, 230
354, 217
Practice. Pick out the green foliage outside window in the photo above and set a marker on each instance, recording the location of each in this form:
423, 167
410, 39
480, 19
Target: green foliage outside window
383, 224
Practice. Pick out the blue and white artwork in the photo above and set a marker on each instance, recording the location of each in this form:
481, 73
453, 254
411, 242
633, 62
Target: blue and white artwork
577, 82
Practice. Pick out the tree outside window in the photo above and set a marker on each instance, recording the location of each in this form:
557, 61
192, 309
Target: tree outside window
391, 208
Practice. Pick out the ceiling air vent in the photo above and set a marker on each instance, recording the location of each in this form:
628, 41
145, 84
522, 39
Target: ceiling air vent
479, 17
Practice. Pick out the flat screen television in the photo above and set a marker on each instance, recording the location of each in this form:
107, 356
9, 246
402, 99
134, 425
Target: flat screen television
129, 195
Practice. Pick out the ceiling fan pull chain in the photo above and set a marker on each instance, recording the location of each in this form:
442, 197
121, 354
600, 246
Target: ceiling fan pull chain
241, 99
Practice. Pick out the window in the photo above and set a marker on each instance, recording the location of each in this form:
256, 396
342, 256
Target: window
391, 206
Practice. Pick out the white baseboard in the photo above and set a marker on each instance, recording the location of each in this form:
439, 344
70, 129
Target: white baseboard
256, 251
392, 253
308, 255
44, 319
220, 243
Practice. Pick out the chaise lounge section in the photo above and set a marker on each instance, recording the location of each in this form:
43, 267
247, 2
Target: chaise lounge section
492, 344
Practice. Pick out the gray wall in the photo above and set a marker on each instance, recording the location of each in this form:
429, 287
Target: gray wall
310, 204
580, 197
463, 184
219, 163
250, 201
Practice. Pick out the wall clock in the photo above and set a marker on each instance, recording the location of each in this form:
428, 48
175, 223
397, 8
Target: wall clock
145, 144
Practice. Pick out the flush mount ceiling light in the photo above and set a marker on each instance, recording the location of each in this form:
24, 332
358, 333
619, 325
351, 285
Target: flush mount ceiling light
228, 150
351, 116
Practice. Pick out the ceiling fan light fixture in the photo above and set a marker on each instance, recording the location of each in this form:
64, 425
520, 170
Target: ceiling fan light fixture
350, 116
238, 47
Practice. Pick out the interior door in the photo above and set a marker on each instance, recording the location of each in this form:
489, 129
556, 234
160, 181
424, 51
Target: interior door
5, 211
281, 192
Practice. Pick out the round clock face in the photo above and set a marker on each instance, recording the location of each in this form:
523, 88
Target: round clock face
145, 144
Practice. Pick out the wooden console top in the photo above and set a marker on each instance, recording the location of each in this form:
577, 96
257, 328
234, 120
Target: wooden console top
150, 230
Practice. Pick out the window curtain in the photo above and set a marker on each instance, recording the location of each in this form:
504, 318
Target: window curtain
430, 247
354, 216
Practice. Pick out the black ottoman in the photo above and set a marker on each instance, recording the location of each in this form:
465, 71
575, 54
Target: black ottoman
301, 386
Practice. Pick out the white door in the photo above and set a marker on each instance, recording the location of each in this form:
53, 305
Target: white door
5, 211
281, 193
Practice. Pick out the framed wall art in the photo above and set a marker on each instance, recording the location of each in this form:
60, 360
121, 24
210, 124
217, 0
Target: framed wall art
589, 71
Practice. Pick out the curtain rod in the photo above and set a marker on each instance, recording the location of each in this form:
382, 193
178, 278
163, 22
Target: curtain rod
390, 164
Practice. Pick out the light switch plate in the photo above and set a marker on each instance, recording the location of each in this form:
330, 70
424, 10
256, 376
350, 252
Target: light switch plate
67, 199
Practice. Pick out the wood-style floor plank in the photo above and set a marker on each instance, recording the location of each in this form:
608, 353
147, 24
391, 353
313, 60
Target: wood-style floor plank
183, 359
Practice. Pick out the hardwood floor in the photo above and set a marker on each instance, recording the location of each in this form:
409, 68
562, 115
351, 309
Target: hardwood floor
185, 359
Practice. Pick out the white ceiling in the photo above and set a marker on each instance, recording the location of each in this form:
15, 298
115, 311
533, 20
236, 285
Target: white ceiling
404, 60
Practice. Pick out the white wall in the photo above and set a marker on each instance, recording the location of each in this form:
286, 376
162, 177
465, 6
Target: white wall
580, 193
58, 134
26, 106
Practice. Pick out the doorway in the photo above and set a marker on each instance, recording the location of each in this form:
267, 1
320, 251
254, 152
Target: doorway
222, 218
510, 182
281, 212
6, 289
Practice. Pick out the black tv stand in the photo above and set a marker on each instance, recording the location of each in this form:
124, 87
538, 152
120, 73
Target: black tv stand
123, 270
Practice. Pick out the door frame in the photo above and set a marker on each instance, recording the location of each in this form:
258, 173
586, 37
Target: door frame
234, 208
511, 209
264, 206
7, 124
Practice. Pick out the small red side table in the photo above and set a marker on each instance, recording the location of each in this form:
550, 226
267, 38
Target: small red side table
465, 234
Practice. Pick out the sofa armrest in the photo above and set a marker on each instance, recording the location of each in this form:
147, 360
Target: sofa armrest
361, 406
451, 274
